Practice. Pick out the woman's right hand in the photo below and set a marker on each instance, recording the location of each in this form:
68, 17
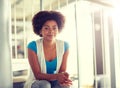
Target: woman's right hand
63, 79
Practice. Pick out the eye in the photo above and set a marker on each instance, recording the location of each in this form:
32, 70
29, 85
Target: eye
54, 28
46, 28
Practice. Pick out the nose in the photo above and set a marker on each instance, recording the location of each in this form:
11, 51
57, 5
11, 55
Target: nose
50, 30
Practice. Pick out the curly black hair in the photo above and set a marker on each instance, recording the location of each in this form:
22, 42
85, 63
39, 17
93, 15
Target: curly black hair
41, 17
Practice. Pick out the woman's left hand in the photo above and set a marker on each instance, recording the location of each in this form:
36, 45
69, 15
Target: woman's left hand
67, 81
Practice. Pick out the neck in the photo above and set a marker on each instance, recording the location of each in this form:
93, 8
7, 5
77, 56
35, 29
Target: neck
48, 43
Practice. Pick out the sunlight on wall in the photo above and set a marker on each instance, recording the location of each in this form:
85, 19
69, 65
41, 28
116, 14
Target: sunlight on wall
85, 41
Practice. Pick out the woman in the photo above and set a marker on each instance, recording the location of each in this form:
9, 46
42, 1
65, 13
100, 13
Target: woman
48, 56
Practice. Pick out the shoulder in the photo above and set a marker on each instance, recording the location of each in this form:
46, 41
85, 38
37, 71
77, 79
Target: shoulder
65, 43
32, 46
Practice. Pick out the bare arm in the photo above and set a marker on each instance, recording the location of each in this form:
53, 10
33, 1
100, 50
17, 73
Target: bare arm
64, 62
63, 67
33, 61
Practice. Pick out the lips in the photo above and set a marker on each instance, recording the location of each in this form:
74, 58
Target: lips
50, 35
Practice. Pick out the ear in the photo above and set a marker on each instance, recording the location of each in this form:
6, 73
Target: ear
40, 33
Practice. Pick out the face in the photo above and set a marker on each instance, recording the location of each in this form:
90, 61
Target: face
49, 30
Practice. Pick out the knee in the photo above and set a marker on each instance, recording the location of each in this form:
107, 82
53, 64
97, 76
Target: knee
41, 84
46, 84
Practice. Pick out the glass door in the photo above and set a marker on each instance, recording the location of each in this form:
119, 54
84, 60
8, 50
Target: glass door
98, 45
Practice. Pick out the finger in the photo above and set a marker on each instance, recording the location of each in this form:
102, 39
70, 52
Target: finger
65, 84
66, 74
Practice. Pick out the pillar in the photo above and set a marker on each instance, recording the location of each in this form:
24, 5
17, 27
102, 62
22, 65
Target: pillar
5, 59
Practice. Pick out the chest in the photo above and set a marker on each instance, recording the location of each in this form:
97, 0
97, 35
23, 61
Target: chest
50, 53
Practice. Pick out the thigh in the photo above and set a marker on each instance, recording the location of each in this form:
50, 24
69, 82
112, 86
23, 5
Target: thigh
41, 84
57, 85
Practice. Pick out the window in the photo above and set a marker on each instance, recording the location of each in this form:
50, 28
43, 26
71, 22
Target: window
21, 14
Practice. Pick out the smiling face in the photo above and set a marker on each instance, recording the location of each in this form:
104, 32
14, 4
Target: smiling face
49, 30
